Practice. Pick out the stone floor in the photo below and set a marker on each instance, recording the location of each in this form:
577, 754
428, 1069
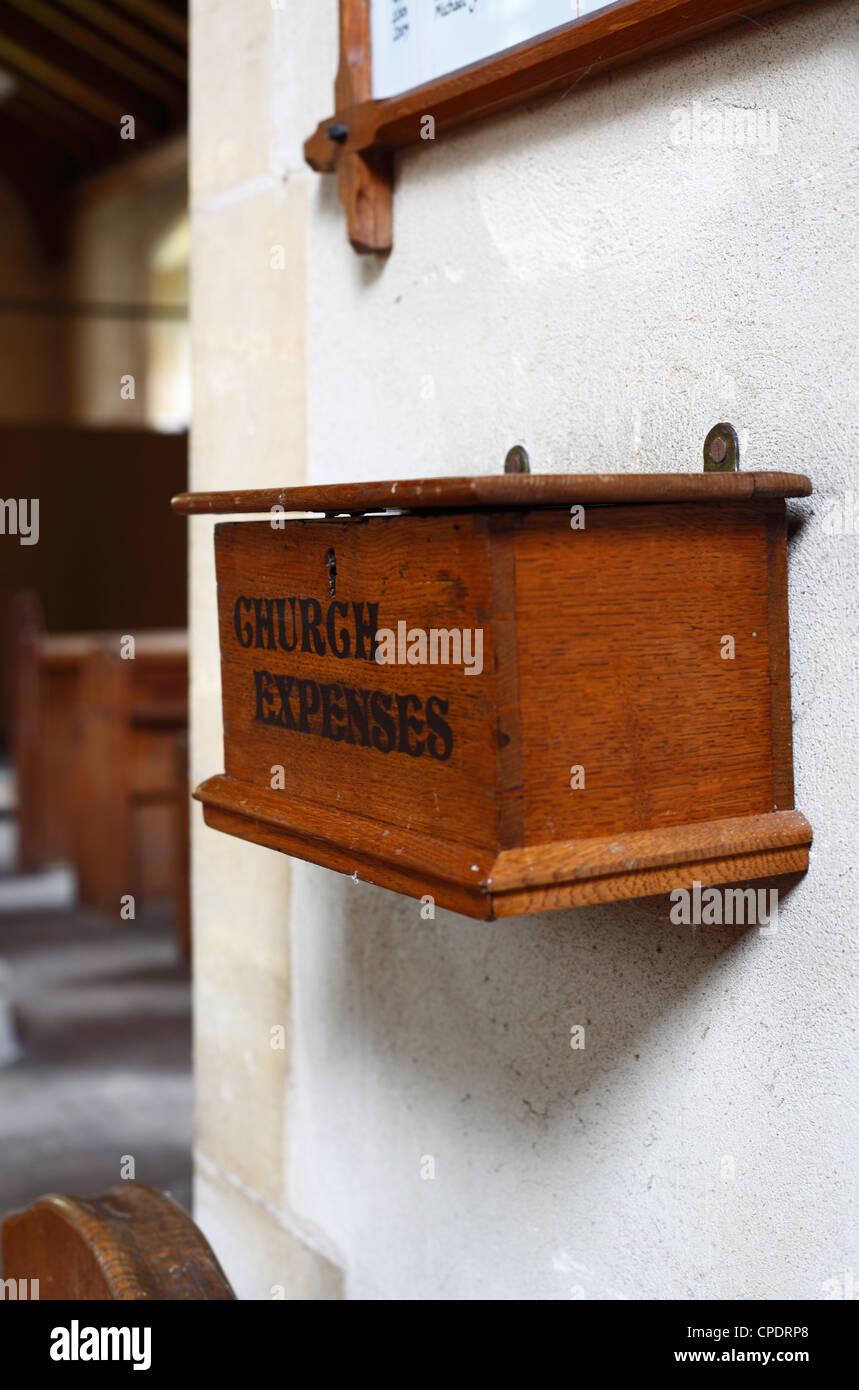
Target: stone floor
102, 1016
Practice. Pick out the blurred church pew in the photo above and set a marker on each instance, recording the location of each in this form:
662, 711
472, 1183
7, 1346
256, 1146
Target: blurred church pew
98, 752
44, 675
111, 555
132, 715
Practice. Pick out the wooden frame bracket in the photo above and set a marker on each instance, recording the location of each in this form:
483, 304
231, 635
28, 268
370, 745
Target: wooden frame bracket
365, 178
360, 140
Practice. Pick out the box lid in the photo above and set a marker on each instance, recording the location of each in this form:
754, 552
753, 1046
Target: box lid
524, 490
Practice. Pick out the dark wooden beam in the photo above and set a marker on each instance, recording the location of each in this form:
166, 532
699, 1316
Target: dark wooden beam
138, 40
43, 178
52, 132
62, 84
84, 129
170, 91
165, 21
77, 77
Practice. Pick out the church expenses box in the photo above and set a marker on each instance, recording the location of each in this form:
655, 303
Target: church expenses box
511, 693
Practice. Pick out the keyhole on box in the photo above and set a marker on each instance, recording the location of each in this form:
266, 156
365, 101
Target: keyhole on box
331, 566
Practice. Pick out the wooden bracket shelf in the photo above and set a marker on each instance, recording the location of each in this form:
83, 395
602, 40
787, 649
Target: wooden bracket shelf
536, 878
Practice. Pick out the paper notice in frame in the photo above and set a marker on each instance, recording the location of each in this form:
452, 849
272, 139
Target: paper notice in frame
417, 41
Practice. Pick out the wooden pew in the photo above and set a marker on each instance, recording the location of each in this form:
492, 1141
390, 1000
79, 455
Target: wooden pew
129, 786
96, 747
45, 675
132, 1242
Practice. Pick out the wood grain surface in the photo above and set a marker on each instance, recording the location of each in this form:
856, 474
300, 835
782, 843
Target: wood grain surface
129, 715
94, 745
648, 648
365, 178
503, 490
424, 571
621, 629
129, 1243
481, 884
69, 758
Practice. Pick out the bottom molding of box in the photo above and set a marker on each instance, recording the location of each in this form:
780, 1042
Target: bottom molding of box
485, 883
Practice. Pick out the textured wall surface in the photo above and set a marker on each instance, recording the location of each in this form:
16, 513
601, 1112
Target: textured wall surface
570, 277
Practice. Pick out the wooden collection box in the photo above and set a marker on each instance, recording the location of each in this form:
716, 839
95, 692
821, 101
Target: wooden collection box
512, 693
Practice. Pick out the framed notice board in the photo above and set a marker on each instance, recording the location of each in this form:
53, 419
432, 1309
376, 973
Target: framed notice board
411, 70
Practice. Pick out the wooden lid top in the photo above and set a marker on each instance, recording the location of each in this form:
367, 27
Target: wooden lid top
504, 490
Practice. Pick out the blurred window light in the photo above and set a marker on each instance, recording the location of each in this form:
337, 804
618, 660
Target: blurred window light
168, 378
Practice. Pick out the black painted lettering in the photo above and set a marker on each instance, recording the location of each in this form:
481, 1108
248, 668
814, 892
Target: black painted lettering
332, 709
264, 615
342, 650
385, 732
357, 715
440, 734
310, 626
280, 604
265, 688
366, 628
308, 702
409, 724
284, 687
244, 630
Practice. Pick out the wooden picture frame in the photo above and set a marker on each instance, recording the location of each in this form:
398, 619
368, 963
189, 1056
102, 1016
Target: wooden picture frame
360, 139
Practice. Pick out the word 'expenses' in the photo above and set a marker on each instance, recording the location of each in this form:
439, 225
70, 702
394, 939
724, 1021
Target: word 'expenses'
335, 710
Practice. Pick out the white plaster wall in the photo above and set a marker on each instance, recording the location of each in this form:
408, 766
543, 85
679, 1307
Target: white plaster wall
566, 278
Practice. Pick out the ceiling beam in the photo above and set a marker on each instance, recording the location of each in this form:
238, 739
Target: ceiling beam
78, 77
53, 132
172, 25
62, 84
42, 183
24, 148
135, 38
170, 91
85, 129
